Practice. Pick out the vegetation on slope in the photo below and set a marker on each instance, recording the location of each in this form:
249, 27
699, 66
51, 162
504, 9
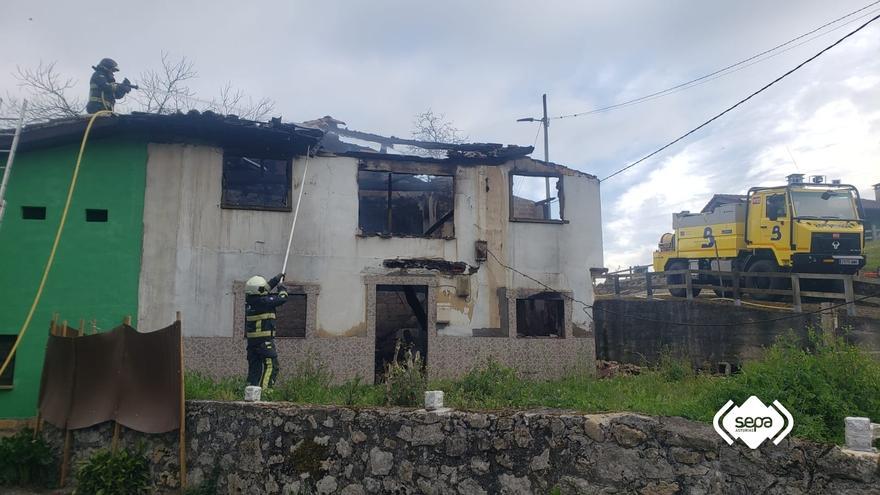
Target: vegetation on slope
819, 386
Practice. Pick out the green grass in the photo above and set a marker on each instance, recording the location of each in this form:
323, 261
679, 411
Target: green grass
872, 251
820, 386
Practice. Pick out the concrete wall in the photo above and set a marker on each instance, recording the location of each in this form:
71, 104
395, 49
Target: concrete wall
629, 340
195, 251
286, 449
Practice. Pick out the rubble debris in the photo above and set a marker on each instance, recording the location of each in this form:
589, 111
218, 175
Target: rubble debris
611, 369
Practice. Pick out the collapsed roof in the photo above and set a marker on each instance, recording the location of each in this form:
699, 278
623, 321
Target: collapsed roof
342, 141
273, 137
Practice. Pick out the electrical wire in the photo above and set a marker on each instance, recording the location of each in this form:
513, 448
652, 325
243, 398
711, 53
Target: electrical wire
740, 102
664, 322
726, 70
55, 243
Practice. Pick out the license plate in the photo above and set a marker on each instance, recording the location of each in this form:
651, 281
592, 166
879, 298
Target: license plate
845, 261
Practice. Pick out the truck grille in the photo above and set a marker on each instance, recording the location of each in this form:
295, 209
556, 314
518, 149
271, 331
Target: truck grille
824, 243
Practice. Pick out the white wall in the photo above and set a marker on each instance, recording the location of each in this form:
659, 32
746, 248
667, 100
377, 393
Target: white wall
194, 250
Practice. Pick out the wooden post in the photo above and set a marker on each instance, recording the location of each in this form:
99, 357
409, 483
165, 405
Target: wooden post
65, 455
182, 439
616, 285
737, 301
850, 297
53, 326
649, 287
65, 458
114, 442
827, 321
689, 284
796, 292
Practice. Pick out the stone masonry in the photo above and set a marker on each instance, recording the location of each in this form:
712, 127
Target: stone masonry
286, 449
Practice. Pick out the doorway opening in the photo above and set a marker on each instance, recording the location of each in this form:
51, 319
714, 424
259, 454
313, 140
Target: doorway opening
401, 324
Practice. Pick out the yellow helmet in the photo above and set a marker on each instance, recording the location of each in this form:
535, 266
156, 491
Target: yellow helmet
256, 285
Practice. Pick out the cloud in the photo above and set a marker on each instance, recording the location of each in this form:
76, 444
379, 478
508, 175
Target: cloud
485, 64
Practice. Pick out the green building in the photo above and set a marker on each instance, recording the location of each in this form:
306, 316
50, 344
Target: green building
97, 266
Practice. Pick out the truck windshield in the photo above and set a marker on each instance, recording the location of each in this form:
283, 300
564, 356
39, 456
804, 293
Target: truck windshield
833, 204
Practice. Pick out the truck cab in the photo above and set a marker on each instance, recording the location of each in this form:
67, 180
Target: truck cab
814, 228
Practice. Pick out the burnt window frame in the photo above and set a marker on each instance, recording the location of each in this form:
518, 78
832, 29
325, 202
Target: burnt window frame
560, 185
558, 297
305, 301
234, 153
8, 340
412, 170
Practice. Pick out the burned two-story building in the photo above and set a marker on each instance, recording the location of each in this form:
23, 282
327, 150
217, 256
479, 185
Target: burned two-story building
474, 252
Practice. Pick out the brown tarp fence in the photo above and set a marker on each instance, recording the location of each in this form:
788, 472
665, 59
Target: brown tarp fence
122, 375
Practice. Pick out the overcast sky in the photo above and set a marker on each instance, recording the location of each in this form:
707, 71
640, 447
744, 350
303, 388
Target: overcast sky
484, 64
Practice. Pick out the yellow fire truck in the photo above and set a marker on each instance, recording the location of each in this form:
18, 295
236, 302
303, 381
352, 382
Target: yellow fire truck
800, 227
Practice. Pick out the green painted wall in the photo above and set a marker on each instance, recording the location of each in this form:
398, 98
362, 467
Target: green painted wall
97, 266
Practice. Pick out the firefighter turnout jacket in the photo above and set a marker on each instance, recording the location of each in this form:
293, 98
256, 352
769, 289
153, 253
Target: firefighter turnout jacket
259, 324
104, 91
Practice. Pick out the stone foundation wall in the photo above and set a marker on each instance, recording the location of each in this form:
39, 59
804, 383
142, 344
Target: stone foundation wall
285, 449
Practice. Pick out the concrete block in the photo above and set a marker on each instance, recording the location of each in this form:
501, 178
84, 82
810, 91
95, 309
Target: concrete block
433, 400
859, 434
252, 393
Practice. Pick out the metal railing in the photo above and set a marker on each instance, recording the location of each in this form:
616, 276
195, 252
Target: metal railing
735, 284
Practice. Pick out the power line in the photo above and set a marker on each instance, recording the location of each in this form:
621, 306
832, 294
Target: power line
723, 71
663, 322
740, 102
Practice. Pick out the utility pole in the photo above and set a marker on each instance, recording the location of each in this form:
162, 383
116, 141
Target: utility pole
545, 121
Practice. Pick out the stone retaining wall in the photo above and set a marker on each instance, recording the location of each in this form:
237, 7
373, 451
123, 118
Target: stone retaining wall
280, 448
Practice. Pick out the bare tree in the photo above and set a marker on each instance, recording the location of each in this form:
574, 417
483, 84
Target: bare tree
429, 126
234, 101
165, 90
47, 93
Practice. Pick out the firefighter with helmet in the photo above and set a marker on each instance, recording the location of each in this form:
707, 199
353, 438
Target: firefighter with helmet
261, 299
103, 88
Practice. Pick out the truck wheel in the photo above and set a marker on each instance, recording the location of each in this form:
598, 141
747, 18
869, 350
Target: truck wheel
678, 279
764, 266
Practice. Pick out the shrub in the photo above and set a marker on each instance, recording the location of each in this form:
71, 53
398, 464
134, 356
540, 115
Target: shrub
674, 369
489, 385
405, 381
122, 473
25, 461
309, 382
203, 387
819, 386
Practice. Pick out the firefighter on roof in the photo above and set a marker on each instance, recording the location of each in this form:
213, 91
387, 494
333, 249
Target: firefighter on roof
259, 328
103, 88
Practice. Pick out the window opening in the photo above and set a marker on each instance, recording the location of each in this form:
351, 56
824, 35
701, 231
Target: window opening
256, 183
96, 215
33, 212
290, 317
6, 343
396, 204
541, 315
536, 197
